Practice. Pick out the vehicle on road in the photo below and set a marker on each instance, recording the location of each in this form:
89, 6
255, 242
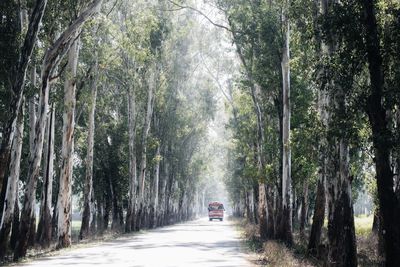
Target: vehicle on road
216, 211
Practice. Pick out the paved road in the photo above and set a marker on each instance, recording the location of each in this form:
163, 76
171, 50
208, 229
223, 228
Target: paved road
196, 243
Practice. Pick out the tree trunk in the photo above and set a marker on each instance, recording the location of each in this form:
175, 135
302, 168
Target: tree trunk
15, 224
389, 205
320, 200
44, 228
64, 194
12, 186
262, 211
154, 197
318, 217
88, 203
286, 234
262, 197
146, 129
341, 230
18, 82
32, 124
33, 171
304, 209
132, 161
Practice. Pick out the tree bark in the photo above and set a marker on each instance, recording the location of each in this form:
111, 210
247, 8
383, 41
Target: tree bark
88, 196
146, 129
64, 194
12, 186
44, 228
15, 224
286, 234
318, 217
132, 161
33, 171
341, 231
320, 200
304, 209
389, 205
155, 192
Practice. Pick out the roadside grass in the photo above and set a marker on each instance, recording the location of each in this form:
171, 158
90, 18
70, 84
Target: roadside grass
38, 252
271, 253
275, 253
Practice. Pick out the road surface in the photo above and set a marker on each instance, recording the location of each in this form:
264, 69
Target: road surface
196, 243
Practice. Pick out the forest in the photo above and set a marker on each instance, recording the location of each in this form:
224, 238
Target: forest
135, 114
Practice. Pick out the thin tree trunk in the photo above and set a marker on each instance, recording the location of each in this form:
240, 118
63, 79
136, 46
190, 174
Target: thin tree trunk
44, 229
146, 129
304, 209
262, 192
88, 204
320, 200
12, 186
64, 193
132, 161
286, 156
318, 217
155, 192
15, 224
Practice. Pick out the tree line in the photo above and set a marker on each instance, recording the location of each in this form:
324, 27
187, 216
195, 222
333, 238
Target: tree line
97, 101
316, 109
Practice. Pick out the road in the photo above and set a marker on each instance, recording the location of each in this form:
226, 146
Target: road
195, 243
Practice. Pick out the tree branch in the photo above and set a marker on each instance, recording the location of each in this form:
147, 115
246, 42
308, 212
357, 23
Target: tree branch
201, 13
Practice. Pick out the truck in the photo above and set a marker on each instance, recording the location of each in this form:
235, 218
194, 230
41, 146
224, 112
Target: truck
216, 211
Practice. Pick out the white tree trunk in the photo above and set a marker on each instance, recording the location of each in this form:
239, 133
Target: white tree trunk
132, 160
286, 157
88, 195
12, 185
146, 130
35, 159
64, 193
44, 231
154, 195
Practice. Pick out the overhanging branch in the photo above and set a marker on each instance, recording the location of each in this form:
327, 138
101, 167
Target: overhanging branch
201, 13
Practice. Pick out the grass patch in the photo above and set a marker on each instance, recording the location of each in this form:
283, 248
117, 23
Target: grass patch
363, 225
271, 252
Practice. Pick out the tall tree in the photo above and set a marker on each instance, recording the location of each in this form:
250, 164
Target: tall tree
51, 59
44, 227
65, 185
286, 155
389, 204
146, 128
12, 187
88, 202
342, 249
18, 80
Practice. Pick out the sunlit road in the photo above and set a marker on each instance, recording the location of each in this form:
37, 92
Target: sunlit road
196, 243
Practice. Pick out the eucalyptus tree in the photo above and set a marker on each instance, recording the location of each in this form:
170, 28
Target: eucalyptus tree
51, 59
11, 195
21, 54
389, 203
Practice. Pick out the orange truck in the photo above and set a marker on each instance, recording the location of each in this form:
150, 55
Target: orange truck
216, 211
